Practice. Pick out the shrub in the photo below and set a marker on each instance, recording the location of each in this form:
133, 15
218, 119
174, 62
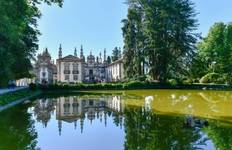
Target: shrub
212, 78
137, 85
197, 80
227, 78
32, 86
188, 81
173, 82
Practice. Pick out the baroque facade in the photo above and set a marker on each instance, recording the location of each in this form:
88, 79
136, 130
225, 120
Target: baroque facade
45, 69
74, 69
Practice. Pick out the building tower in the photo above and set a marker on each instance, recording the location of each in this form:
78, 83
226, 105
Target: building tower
75, 52
82, 124
100, 58
60, 52
81, 53
104, 55
60, 127
46, 50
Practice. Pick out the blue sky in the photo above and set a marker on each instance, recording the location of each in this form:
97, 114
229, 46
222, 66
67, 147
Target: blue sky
96, 24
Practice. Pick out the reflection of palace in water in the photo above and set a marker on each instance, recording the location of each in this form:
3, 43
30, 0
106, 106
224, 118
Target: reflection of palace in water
43, 110
79, 108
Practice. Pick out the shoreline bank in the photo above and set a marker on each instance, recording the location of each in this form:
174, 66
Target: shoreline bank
11, 99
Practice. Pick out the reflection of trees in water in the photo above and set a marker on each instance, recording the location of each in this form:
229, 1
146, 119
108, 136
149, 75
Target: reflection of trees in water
117, 118
220, 135
17, 131
145, 130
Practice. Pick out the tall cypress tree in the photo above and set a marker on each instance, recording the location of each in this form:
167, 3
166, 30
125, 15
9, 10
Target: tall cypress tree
169, 34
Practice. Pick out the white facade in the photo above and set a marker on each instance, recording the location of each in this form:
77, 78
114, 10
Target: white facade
44, 74
44, 68
24, 82
69, 69
115, 71
73, 69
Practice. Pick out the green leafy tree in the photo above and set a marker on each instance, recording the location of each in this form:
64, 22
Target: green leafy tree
216, 48
116, 55
169, 36
129, 44
214, 53
134, 40
18, 37
109, 60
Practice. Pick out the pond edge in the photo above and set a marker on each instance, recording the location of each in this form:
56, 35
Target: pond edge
14, 103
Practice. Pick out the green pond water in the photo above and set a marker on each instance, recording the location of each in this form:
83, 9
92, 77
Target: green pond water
130, 120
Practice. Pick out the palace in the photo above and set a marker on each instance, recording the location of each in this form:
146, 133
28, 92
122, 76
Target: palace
74, 69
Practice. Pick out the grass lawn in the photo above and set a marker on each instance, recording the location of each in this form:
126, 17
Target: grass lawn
11, 97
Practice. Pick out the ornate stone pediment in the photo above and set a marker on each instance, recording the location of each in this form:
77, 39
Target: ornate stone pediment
70, 58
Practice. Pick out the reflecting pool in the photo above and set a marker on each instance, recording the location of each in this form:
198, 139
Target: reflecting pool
130, 120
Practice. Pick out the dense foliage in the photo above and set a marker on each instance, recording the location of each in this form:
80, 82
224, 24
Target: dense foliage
215, 54
160, 35
18, 37
18, 129
116, 54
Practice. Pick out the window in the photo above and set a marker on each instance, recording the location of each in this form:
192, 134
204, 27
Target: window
90, 103
90, 72
66, 66
44, 74
75, 108
75, 66
75, 72
102, 70
66, 77
75, 77
66, 108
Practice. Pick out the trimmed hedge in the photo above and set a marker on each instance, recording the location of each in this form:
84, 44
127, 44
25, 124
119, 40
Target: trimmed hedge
103, 86
130, 86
